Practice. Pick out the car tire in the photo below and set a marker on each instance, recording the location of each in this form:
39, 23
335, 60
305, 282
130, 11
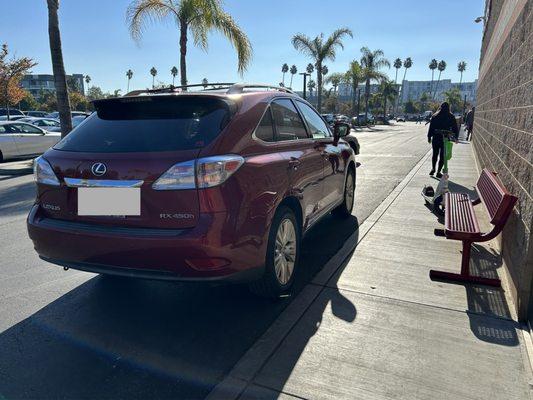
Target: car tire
345, 209
283, 246
1, 157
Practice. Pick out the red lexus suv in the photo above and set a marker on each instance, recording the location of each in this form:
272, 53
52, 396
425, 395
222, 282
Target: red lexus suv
206, 185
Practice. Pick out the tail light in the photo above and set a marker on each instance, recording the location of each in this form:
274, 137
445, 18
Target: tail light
43, 172
202, 173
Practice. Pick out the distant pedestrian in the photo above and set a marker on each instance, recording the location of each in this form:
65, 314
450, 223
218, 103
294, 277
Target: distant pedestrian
443, 119
469, 123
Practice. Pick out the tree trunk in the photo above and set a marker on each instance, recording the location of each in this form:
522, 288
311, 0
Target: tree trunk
283, 79
319, 86
431, 84
354, 91
367, 95
183, 53
384, 109
63, 103
437, 86
292, 76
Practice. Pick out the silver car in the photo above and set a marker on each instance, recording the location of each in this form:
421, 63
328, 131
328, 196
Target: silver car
20, 139
48, 124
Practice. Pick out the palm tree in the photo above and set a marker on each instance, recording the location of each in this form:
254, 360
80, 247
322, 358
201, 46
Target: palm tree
284, 70
432, 66
335, 80
153, 72
293, 71
87, 80
60, 79
205, 83
174, 73
199, 17
372, 62
407, 63
352, 77
441, 67
388, 91
320, 49
461, 67
311, 85
397, 64
129, 75
325, 70
310, 68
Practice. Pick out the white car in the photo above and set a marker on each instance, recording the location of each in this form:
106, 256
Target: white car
20, 139
48, 124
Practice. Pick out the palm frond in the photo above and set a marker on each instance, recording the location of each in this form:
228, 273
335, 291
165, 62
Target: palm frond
225, 24
141, 13
333, 42
305, 44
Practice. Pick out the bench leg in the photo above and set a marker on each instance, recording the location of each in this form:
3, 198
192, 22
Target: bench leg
464, 276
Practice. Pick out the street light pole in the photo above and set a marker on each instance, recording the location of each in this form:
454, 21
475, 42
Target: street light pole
305, 75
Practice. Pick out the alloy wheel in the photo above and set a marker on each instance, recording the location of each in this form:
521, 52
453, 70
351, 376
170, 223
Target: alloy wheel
285, 251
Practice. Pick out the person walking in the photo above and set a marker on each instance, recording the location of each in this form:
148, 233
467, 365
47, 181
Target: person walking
469, 123
444, 120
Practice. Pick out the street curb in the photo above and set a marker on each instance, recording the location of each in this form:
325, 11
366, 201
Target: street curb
16, 172
250, 364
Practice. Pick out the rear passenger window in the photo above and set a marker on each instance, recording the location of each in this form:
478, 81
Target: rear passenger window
289, 125
265, 129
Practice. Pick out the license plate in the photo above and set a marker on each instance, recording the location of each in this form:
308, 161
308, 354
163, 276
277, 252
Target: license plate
109, 201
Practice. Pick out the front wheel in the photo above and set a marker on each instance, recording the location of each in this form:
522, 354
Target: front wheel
282, 256
345, 209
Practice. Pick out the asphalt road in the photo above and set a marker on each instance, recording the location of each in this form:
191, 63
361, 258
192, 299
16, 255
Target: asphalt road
78, 335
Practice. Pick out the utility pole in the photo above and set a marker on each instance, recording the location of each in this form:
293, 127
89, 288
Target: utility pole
305, 75
464, 105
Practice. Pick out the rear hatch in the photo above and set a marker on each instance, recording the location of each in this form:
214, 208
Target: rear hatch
130, 142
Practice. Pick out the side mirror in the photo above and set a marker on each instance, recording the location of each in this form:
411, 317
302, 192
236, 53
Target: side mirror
340, 129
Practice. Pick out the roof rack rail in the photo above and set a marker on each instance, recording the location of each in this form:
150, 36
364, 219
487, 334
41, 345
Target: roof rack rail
231, 88
239, 88
172, 88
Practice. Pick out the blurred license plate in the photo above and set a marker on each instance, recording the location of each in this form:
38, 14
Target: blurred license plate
109, 201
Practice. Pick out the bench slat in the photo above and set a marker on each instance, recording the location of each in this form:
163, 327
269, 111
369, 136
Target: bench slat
460, 218
491, 193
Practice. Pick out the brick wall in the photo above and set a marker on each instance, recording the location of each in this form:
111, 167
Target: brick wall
503, 131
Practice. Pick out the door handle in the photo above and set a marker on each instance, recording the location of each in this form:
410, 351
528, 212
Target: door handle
294, 162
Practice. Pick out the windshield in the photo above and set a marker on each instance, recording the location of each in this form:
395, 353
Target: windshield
149, 124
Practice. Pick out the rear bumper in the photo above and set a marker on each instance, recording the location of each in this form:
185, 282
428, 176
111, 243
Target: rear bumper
217, 249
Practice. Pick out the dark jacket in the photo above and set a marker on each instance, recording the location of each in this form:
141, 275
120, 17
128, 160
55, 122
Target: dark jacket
444, 121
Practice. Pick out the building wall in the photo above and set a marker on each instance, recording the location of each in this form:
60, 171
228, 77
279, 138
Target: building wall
36, 84
503, 131
413, 90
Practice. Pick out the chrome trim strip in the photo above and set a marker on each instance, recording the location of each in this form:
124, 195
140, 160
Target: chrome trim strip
76, 182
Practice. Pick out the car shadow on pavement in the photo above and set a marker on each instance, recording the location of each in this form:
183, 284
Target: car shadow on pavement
17, 199
137, 339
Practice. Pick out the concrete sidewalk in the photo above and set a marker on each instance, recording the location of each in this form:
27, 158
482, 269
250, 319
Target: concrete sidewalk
372, 325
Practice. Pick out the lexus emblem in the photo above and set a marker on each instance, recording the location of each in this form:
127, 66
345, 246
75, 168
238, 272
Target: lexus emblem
98, 169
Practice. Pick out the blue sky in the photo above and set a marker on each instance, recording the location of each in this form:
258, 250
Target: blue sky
96, 40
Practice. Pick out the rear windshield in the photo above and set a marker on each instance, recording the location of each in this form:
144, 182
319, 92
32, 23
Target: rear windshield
149, 124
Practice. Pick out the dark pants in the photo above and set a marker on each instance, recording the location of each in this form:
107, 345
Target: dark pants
438, 152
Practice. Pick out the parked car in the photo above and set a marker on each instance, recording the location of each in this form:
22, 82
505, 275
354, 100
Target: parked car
363, 119
342, 118
76, 120
11, 117
400, 118
192, 186
38, 114
13, 114
49, 124
20, 139
329, 118
73, 114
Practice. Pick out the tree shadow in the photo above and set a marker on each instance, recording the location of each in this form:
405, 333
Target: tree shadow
138, 339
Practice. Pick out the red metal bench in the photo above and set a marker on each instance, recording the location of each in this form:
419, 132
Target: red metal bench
460, 223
